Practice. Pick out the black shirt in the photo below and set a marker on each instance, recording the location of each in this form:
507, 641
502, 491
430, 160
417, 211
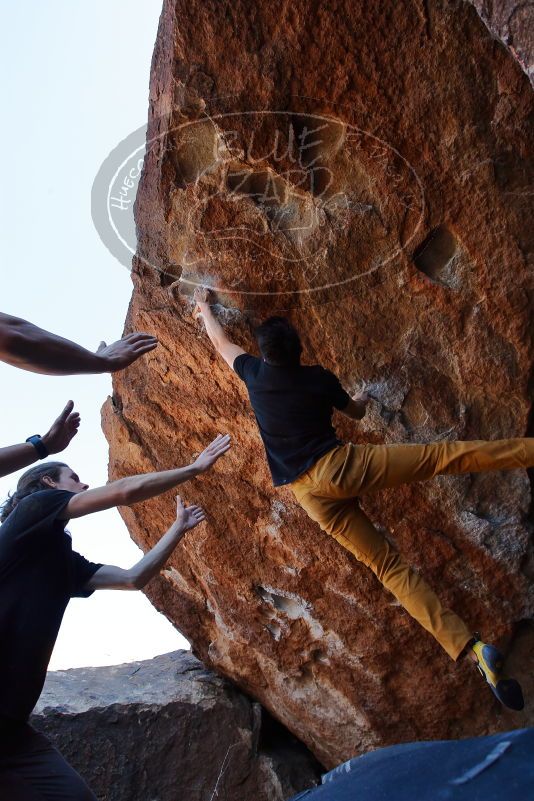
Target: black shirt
293, 408
39, 573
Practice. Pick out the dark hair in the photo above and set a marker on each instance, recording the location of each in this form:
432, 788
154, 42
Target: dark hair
279, 342
31, 481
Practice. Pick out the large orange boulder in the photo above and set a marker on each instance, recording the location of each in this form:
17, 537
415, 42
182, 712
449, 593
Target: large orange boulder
366, 169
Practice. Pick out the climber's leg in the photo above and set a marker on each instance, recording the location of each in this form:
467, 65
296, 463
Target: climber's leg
348, 524
351, 470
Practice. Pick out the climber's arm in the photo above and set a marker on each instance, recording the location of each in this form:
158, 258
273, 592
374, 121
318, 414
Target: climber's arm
110, 577
225, 347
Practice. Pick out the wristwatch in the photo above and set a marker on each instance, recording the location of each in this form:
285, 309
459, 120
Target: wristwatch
39, 445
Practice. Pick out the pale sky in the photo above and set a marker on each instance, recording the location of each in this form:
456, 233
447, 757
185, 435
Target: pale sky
76, 79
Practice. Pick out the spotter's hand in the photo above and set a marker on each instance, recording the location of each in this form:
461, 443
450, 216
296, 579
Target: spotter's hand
120, 354
188, 517
214, 451
62, 430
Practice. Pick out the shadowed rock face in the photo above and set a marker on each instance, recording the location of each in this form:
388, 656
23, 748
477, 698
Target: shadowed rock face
167, 729
385, 207
513, 23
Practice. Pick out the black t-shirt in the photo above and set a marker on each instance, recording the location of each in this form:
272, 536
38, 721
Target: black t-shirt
293, 408
39, 573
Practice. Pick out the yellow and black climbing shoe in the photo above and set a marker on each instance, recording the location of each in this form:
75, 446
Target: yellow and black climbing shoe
490, 664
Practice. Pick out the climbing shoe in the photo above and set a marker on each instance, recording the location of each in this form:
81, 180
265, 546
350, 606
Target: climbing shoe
490, 664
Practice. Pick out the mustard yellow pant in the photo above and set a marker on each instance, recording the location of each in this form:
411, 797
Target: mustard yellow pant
329, 490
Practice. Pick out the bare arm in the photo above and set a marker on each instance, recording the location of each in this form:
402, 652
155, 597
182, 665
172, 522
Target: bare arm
133, 489
356, 407
24, 345
15, 457
227, 349
61, 432
110, 577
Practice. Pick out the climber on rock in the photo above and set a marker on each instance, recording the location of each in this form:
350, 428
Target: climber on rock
24, 345
39, 573
293, 405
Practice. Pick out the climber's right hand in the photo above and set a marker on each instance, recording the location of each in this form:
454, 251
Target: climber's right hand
202, 295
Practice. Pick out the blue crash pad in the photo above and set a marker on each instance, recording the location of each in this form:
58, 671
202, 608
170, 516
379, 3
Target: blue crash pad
496, 768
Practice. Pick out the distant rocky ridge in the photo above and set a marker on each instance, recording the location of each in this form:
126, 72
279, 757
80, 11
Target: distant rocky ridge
167, 729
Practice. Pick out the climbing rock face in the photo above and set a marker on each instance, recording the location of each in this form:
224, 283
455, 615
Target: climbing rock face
168, 729
364, 168
513, 23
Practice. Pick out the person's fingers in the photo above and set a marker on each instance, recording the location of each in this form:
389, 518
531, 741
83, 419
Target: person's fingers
139, 336
143, 343
217, 456
219, 440
221, 453
144, 347
66, 412
217, 452
222, 447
